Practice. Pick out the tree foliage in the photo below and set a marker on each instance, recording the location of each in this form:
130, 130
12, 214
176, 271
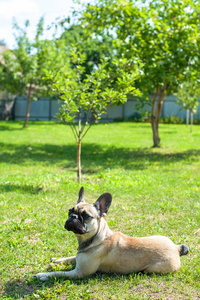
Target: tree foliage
163, 34
22, 69
188, 95
85, 97
94, 49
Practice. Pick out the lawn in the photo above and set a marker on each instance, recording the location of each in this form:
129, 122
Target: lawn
155, 192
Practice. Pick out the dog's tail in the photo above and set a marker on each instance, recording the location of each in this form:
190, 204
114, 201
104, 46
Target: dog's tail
183, 249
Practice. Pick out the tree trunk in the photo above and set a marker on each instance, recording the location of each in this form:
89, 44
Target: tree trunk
79, 160
156, 138
94, 118
28, 108
187, 117
155, 114
79, 149
191, 121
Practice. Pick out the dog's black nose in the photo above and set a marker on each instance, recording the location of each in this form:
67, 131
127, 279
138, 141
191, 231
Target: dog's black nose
70, 221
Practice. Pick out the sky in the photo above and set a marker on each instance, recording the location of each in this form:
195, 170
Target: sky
32, 10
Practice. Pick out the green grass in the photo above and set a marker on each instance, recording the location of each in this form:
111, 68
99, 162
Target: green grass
155, 192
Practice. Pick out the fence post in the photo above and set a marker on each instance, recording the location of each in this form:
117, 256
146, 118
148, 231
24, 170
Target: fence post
191, 121
50, 108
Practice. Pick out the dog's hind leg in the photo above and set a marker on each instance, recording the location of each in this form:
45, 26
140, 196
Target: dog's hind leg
163, 267
71, 260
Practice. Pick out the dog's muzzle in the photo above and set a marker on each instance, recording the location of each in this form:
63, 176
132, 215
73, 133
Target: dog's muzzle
75, 225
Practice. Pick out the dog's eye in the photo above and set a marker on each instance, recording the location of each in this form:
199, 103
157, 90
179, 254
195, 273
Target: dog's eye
86, 217
70, 211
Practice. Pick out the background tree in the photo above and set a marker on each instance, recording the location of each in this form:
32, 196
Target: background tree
22, 69
188, 95
163, 34
84, 94
94, 49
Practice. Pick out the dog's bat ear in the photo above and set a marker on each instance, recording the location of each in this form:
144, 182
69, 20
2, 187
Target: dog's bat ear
103, 203
81, 197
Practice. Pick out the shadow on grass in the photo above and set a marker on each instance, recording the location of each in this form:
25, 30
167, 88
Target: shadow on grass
94, 156
7, 187
8, 125
7, 128
18, 289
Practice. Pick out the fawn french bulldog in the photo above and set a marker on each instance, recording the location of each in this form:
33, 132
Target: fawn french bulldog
101, 249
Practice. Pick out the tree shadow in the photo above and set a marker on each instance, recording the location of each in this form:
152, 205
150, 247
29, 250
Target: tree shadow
7, 187
94, 156
18, 288
7, 128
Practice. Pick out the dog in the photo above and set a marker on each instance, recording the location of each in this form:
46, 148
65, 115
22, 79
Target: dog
104, 250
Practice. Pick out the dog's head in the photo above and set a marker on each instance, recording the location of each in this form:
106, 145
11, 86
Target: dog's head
84, 218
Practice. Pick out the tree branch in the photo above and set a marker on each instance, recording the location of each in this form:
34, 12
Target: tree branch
85, 121
87, 129
153, 101
73, 128
159, 105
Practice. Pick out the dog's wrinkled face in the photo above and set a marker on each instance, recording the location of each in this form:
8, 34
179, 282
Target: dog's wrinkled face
82, 218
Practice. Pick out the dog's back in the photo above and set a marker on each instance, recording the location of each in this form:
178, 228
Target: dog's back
155, 254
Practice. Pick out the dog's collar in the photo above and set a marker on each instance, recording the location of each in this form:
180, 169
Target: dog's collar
86, 244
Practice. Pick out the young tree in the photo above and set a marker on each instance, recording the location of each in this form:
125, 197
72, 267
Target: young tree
22, 69
84, 94
188, 95
163, 34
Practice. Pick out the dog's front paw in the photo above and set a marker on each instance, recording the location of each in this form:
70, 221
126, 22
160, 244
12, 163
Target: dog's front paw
53, 258
41, 276
53, 264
